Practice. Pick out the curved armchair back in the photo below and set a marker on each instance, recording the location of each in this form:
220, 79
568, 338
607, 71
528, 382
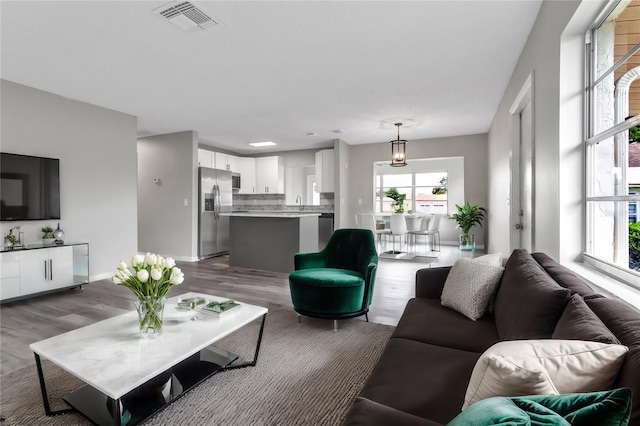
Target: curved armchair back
352, 249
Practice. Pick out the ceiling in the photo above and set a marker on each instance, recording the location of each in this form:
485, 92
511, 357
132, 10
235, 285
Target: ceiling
276, 70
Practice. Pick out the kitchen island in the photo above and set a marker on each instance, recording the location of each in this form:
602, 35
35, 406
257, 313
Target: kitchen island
269, 240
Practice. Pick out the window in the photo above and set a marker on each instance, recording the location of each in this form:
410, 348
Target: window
426, 192
613, 138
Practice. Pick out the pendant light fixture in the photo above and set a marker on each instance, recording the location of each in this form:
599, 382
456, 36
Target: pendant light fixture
398, 150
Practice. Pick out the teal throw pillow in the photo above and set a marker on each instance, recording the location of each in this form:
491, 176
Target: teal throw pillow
606, 408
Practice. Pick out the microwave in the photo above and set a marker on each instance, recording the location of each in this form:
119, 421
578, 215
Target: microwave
235, 181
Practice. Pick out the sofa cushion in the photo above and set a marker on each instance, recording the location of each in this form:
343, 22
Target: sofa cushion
420, 379
469, 287
539, 367
563, 275
427, 321
579, 322
528, 302
624, 321
606, 408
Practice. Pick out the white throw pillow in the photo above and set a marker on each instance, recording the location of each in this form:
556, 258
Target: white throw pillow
469, 287
494, 259
544, 367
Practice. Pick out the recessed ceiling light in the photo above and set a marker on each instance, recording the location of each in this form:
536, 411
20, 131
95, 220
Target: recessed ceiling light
312, 134
265, 143
337, 131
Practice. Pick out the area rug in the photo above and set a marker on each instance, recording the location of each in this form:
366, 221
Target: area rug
306, 375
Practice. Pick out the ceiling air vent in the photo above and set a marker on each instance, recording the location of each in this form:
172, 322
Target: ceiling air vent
186, 15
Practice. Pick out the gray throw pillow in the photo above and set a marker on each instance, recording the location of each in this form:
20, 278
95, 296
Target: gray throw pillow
469, 287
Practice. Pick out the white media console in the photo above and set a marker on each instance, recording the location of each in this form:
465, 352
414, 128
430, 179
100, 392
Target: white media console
39, 268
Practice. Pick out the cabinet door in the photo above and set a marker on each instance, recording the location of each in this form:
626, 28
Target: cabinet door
221, 161
232, 161
247, 170
9, 275
327, 170
206, 158
270, 175
34, 271
61, 272
319, 171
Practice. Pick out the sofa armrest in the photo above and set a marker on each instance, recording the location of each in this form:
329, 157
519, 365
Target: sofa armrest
430, 282
365, 412
309, 260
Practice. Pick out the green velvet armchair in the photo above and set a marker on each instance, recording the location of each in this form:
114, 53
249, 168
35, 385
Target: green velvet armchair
337, 282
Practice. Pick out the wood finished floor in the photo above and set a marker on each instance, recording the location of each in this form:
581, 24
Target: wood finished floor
26, 321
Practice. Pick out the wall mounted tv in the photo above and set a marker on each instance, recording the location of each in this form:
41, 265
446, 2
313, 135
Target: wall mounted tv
29, 187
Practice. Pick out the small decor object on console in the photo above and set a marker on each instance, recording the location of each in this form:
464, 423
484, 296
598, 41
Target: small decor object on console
220, 308
10, 240
47, 237
58, 234
150, 280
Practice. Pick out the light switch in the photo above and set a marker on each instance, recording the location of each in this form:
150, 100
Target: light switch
186, 202
359, 201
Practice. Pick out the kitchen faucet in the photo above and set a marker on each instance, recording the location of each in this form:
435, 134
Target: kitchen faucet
299, 202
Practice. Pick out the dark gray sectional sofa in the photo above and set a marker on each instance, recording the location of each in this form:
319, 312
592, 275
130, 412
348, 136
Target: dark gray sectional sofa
423, 373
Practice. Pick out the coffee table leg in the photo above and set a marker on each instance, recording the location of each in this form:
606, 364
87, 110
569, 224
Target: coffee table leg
115, 411
43, 388
255, 356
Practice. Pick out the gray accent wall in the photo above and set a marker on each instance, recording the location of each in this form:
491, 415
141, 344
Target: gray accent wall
167, 195
360, 181
98, 172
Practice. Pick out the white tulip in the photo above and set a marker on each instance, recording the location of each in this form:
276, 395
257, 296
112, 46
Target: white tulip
143, 275
169, 262
137, 260
116, 280
160, 262
150, 259
123, 266
177, 277
156, 274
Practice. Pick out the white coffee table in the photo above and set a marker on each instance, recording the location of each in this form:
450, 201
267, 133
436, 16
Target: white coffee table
130, 378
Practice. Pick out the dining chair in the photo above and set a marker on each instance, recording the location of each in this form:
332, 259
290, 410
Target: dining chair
398, 225
431, 232
368, 221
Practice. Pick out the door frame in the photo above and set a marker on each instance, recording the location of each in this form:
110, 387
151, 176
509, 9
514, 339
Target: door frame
525, 96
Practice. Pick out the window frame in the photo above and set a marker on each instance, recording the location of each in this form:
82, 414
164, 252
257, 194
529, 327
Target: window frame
627, 275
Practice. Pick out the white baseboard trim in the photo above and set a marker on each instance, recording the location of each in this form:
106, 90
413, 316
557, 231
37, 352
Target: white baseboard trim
98, 277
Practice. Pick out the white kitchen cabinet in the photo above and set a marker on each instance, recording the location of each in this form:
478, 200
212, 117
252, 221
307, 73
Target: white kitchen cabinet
325, 170
9, 275
232, 162
206, 158
270, 175
35, 270
226, 162
247, 169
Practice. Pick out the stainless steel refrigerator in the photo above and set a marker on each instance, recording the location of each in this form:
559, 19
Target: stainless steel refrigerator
215, 197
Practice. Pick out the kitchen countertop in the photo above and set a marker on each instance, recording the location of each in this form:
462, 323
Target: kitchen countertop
284, 214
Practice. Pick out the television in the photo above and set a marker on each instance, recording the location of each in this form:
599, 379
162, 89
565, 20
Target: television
29, 187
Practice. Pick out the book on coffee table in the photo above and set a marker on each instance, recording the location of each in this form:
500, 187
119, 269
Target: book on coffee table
220, 308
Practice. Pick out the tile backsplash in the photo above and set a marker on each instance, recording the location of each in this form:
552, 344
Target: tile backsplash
278, 202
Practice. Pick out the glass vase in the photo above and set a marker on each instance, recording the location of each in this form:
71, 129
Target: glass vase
150, 311
467, 242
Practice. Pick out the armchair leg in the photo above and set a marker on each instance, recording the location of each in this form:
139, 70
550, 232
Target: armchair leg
335, 326
299, 319
366, 316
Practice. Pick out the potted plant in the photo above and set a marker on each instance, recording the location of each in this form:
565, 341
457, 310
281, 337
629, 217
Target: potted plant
11, 239
47, 237
398, 199
468, 216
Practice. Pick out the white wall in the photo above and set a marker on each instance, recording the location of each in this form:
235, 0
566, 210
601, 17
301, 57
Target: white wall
360, 180
97, 151
553, 54
165, 224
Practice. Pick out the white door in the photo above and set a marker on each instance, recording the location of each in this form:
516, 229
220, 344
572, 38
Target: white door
526, 178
